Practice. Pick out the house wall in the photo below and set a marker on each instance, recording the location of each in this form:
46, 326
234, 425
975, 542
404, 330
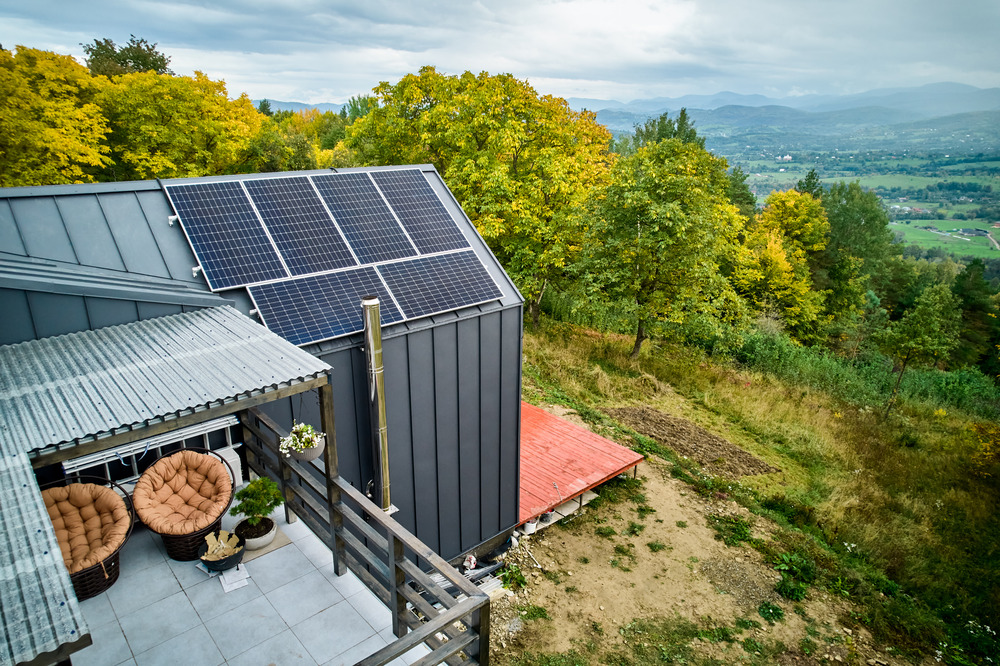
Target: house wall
453, 408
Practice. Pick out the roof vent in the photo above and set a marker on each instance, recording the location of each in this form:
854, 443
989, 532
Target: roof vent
171, 219
195, 270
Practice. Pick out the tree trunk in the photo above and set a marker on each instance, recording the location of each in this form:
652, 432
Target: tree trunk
535, 306
895, 389
535, 310
640, 336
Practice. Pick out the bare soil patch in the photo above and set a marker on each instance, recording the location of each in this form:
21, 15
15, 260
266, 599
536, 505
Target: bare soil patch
716, 455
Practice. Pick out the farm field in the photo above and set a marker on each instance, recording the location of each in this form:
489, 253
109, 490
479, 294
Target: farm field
977, 246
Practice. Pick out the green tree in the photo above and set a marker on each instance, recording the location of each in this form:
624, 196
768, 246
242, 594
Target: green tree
659, 129
925, 334
810, 185
740, 194
980, 329
662, 232
264, 106
176, 126
105, 58
358, 107
519, 163
859, 227
777, 274
51, 129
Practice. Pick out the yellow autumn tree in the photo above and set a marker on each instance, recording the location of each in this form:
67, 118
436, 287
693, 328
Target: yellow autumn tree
518, 162
166, 126
776, 271
51, 131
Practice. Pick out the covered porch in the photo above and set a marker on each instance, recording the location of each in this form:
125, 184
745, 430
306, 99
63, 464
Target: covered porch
82, 393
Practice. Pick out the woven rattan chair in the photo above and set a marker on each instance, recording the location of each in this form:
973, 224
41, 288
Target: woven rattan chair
92, 522
182, 497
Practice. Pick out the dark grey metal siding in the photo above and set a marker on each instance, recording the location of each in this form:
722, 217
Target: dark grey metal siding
453, 396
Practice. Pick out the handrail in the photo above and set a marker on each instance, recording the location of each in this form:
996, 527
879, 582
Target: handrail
372, 544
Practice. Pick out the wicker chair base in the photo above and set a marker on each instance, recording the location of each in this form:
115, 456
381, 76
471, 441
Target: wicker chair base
184, 547
93, 580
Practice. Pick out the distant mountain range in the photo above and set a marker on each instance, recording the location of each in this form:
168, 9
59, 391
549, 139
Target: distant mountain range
938, 116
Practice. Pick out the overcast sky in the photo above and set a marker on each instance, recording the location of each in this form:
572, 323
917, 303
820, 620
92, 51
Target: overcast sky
328, 50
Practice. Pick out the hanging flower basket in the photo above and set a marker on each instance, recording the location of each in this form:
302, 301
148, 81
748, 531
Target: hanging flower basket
304, 443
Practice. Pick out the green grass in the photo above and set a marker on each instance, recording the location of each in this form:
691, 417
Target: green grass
892, 512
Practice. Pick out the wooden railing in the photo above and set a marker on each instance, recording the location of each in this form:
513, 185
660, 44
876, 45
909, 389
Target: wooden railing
431, 603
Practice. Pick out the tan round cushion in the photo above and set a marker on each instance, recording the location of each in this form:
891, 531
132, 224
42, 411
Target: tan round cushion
182, 493
90, 521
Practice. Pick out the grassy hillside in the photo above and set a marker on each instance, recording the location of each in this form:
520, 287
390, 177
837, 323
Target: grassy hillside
898, 515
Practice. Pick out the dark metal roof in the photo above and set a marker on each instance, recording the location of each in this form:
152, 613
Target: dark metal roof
38, 607
68, 389
117, 238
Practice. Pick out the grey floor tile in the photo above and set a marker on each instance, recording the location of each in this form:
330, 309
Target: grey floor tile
140, 551
372, 609
296, 531
97, 610
284, 649
347, 585
245, 627
315, 550
141, 588
187, 573
109, 647
278, 567
355, 654
304, 597
211, 601
127, 662
158, 622
194, 646
333, 631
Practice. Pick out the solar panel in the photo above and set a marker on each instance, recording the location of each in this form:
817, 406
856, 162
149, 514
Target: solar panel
226, 234
417, 206
363, 216
301, 227
428, 285
320, 307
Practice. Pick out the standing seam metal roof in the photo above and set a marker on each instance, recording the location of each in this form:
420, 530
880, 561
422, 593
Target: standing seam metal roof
79, 387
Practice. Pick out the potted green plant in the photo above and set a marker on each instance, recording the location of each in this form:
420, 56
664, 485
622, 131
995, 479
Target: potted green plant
304, 443
258, 499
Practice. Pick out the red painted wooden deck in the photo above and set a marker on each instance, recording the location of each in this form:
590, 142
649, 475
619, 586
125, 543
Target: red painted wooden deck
555, 451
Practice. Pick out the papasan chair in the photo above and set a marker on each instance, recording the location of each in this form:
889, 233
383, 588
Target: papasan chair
182, 497
92, 522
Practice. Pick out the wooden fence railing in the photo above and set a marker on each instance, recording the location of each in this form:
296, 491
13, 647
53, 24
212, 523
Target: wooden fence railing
431, 602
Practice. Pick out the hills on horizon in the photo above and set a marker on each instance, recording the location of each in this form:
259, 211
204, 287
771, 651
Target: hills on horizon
937, 116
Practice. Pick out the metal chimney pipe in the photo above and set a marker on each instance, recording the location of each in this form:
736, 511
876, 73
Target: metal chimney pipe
376, 402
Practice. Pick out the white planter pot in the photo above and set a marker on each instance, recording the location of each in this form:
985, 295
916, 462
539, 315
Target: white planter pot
261, 541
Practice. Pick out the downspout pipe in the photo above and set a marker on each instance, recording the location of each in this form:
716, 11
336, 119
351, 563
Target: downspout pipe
376, 403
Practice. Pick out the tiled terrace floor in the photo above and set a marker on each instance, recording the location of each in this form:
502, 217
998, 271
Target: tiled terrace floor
295, 610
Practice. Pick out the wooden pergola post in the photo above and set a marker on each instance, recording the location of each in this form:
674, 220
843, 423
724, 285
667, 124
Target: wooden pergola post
332, 472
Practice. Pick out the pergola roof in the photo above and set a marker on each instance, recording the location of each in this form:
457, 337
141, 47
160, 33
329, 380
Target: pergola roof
60, 392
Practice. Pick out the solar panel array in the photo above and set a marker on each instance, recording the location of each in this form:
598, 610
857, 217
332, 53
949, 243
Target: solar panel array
309, 247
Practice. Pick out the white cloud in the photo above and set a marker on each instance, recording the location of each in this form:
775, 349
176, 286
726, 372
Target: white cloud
317, 50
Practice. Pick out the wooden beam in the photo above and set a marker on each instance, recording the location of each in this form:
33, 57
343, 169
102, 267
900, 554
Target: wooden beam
329, 426
135, 433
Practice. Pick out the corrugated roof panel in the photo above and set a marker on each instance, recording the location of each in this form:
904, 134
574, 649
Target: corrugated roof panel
38, 607
77, 387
